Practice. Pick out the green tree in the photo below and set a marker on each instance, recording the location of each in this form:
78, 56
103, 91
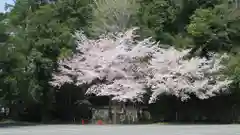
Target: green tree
112, 16
40, 34
156, 18
213, 29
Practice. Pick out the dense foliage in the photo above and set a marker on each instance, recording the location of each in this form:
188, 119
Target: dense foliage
36, 34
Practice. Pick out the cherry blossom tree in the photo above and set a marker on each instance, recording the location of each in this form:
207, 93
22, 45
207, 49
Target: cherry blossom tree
124, 68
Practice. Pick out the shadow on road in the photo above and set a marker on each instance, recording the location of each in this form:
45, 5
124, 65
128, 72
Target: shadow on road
8, 124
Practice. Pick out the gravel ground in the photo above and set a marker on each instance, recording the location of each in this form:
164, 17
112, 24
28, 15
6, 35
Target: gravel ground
123, 130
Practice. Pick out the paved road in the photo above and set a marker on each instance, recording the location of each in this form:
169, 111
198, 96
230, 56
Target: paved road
124, 130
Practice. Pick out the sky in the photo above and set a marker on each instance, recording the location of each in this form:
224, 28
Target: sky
2, 4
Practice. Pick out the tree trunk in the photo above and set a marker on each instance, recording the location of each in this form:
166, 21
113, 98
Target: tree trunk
110, 111
139, 113
115, 112
13, 111
44, 107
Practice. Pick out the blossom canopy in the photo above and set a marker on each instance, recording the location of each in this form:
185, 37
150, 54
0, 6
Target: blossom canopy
124, 68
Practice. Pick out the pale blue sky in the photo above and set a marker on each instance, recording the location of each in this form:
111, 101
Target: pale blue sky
2, 4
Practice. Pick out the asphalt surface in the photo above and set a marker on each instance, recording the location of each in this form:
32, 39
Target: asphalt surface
123, 130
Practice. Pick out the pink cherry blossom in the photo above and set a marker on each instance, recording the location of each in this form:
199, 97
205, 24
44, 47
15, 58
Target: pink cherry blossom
125, 68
